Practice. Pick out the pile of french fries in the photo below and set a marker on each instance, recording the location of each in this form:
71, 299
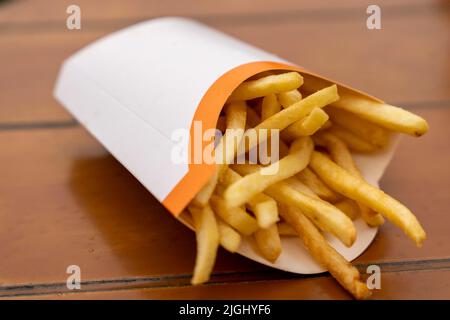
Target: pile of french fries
317, 186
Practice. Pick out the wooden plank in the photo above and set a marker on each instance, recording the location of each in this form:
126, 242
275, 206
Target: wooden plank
66, 201
29, 67
396, 285
386, 63
218, 279
395, 63
44, 11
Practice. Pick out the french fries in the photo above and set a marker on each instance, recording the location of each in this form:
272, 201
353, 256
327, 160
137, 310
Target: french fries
236, 217
341, 155
307, 126
288, 98
243, 190
226, 149
202, 197
300, 109
342, 270
264, 207
207, 235
311, 191
267, 85
349, 207
381, 114
236, 119
311, 180
299, 186
270, 106
268, 242
373, 134
229, 238
285, 229
326, 216
384, 115
357, 189
353, 141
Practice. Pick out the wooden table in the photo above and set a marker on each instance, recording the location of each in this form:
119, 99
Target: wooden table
65, 200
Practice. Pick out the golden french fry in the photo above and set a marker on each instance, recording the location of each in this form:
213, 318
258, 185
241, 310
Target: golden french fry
270, 106
328, 217
285, 229
288, 98
226, 149
352, 141
300, 109
347, 275
296, 112
341, 155
263, 207
360, 191
385, 115
310, 179
243, 190
325, 215
265, 210
253, 120
307, 126
228, 145
349, 207
268, 242
364, 129
267, 85
236, 217
207, 235
230, 239
202, 197
298, 185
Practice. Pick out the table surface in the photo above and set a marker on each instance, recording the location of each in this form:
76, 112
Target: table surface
65, 200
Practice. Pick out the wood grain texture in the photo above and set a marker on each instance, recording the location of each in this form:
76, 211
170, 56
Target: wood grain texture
396, 285
413, 65
19, 13
65, 200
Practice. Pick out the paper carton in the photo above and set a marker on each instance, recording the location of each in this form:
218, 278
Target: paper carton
132, 89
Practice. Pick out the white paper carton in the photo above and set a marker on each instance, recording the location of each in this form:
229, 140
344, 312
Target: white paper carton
134, 88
